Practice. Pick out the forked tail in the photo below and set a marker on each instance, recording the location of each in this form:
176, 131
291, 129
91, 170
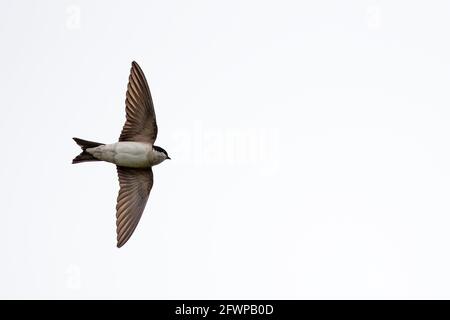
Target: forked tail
85, 156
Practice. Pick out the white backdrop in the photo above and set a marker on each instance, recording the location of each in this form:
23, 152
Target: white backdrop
310, 147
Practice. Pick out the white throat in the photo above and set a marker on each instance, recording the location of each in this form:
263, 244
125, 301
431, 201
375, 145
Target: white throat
156, 157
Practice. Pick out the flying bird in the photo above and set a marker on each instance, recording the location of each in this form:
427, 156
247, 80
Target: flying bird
134, 155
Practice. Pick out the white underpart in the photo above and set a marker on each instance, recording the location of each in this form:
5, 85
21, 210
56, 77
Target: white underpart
128, 154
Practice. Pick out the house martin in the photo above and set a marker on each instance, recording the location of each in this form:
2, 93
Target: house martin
134, 155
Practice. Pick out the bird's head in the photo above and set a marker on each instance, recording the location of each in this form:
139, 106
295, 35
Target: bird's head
162, 152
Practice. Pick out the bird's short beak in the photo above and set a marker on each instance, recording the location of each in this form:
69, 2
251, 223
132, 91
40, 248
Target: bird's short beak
169, 158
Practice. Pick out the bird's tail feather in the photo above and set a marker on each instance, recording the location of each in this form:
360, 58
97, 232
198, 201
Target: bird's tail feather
85, 156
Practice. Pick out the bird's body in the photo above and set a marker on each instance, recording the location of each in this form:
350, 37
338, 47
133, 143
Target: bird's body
134, 154
128, 154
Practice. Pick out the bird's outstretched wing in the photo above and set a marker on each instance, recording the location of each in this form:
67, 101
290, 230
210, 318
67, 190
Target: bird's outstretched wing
135, 186
140, 125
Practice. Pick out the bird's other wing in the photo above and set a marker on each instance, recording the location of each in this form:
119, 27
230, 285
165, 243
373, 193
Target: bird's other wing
135, 186
140, 125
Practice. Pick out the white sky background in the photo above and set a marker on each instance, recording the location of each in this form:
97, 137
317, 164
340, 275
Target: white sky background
310, 146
